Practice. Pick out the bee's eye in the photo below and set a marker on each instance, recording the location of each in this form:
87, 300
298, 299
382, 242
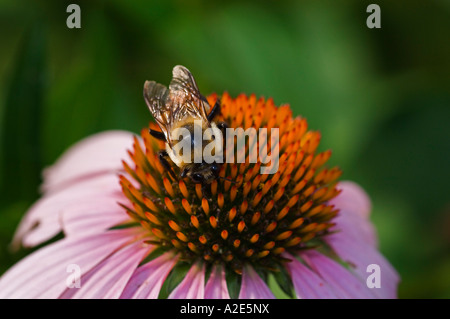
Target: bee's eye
197, 177
215, 168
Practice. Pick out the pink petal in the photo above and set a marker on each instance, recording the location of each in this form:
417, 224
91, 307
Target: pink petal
192, 286
44, 219
148, 279
355, 240
93, 215
108, 279
43, 274
98, 154
353, 199
355, 227
253, 287
343, 283
353, 217
360, 255
307, 284
216, 287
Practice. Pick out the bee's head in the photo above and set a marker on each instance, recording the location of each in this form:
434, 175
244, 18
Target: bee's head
204, 173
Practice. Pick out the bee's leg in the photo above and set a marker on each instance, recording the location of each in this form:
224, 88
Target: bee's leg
206, 191
204, 99
157, 134
162, 159
184, 172
215, 111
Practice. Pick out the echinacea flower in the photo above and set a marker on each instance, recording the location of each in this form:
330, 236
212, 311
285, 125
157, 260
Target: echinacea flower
131, 230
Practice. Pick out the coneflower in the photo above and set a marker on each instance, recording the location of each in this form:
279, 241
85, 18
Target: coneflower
135, 231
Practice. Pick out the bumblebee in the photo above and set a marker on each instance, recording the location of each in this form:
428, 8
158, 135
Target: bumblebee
181, 107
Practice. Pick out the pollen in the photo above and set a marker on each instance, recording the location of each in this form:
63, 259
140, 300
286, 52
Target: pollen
168, 187
183, 189
220, 200
205, 206
241, 226
174, 225
186, 206
233, 193
224, 234
195, 222
244, 216
254, 238
232, 214
213, 222
255, 218
181, 236
170, 205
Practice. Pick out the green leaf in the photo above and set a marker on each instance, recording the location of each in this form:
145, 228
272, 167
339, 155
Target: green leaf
276, 289
283, 280
174, 278
233, 283
157, 252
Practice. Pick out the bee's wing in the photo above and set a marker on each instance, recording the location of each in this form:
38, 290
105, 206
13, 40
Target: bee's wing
156, 96
186, 96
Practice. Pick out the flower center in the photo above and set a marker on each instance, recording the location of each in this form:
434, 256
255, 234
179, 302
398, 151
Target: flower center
244, 216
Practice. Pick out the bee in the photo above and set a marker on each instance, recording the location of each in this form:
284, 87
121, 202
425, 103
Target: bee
181, 106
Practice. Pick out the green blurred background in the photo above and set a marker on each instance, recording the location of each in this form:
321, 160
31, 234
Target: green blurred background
381, 97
